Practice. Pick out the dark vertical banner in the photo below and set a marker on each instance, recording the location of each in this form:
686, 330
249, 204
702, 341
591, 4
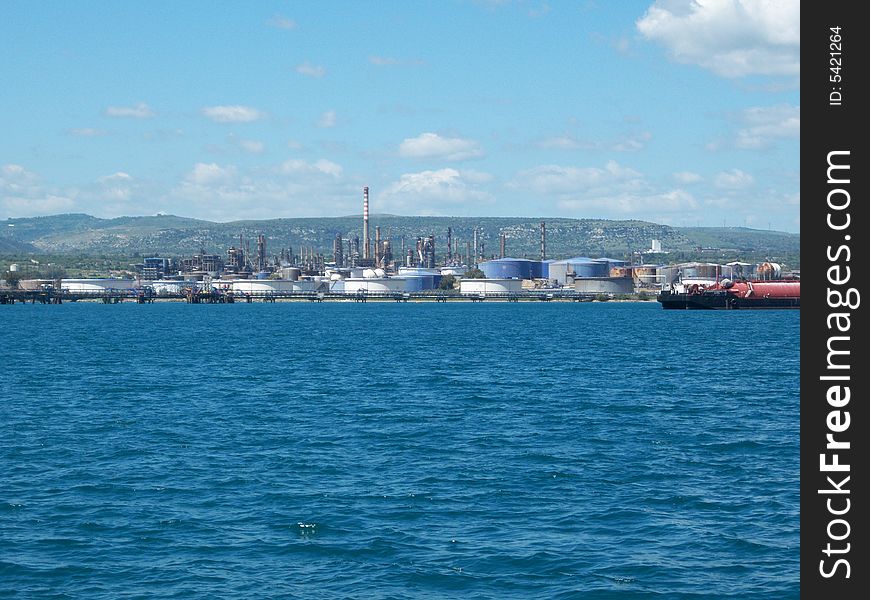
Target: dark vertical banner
835, 228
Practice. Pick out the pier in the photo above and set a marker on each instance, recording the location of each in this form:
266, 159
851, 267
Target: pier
220, 297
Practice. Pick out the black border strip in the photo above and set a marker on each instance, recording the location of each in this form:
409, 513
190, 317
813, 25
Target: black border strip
834, 562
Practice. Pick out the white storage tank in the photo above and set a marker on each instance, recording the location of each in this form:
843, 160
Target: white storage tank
260, 287
490, 286
373, 285
604, 285
96, 285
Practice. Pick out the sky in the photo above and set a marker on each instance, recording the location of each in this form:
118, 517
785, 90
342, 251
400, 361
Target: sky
680, 112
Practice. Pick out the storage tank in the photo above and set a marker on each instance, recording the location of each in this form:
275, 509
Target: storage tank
604, 285
507, 268
580, 266
96, 285
292, 273
456, 271
646, 275
490, 286
539, 269
700, 270
769, 270
372, 285
431, 278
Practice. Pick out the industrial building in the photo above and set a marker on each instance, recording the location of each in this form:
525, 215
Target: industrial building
369, 265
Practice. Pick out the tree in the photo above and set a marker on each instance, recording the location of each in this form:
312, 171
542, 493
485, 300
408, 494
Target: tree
54, 272
474, 273
447, 282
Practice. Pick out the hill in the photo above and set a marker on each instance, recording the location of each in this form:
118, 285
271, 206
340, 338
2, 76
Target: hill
160, 235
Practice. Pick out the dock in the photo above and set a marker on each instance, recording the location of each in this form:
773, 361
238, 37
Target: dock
220, 297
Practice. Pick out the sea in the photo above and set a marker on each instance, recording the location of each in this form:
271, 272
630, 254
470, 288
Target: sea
603, 450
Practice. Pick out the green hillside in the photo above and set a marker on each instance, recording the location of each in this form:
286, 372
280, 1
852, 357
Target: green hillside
78, 234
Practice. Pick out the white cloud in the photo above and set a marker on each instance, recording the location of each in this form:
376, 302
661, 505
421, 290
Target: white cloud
49, 204
557, 179
611, 191
22, 195
232, 114
118, 187
629, 143
560, 142
310, 70
383, 61
292, 188
296, 166
687, 177
11, 173
140, 111
87, 132
473, 176
426, 191
119, 176
763, 125
732, 38
210, 173
327, 120
282, 22
633, 205
432, 145
252, 146
632, 143
735, 179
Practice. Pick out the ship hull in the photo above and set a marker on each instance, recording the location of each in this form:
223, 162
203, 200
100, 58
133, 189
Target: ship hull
723, 301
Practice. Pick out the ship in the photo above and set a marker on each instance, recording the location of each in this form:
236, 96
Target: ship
733, 295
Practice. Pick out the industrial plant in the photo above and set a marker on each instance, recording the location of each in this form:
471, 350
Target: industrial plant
400, 268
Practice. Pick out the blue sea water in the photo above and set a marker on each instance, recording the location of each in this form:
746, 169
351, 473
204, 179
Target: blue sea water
383, 450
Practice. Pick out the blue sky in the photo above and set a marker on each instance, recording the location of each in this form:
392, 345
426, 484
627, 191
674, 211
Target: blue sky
677, 112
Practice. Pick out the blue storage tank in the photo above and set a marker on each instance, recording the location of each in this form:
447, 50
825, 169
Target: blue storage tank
591, 268
545, 268
414, 283
507, 268
429, 278
581, 266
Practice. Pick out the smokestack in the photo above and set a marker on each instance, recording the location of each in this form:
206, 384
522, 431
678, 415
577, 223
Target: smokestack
449, 246
338, 251
501, 249
366, 238
475, 247
543, 241
378, 251
261, 252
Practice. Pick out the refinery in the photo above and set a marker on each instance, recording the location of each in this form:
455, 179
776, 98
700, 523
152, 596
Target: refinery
381, 267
